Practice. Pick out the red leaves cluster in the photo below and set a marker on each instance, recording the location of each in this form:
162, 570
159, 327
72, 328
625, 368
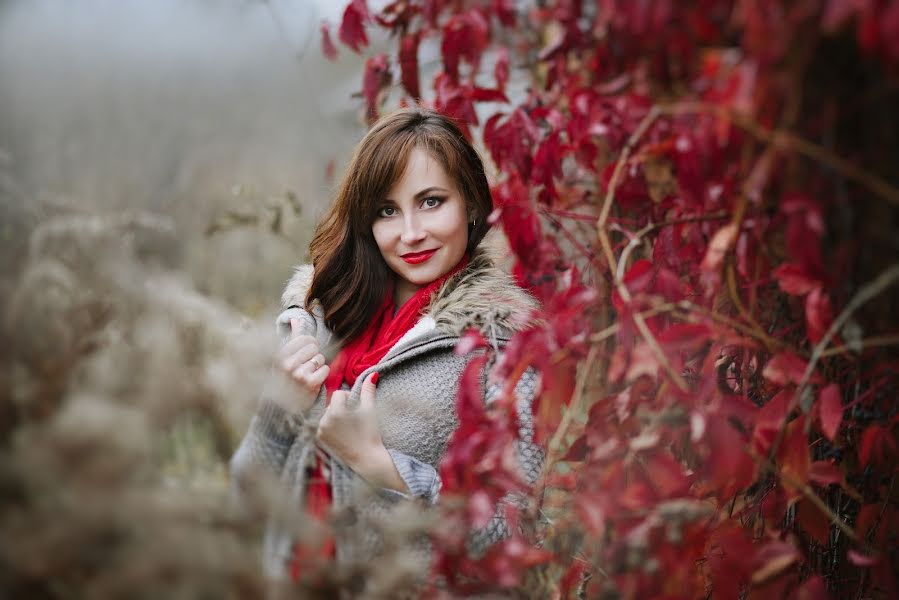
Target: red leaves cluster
709, 419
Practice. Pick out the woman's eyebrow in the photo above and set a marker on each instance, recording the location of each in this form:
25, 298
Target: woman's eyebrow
429, 190
424, 192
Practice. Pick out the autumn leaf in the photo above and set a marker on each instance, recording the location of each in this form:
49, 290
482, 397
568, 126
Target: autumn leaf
830, 410
825, 472
862, 560
328, 47
814, 522
377, 78
352, 27
795, 280
786, 368
501, 68
774, 558
721, 242
408, 57
818, 314
794, 459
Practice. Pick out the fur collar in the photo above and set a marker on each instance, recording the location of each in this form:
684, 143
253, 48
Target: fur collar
481, 295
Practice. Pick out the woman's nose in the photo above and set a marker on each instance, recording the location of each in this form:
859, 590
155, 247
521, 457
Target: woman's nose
413, 231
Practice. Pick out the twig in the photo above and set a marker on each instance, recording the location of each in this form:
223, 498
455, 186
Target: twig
625, 254
567, 214
757, 330
629, 146
555, 443
872, 342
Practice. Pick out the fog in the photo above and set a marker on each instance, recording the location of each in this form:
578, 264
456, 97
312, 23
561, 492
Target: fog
204, 112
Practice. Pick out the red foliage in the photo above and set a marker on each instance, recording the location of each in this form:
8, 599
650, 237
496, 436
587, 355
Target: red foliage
693, 306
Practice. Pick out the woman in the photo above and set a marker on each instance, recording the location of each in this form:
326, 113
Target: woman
397, 277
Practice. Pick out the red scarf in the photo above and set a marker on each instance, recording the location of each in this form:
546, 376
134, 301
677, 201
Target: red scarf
382, 333
364, 351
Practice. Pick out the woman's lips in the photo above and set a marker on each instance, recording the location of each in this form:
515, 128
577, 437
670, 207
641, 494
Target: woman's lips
414, 258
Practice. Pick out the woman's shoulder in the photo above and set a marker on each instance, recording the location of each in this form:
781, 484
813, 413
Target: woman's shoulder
485, 296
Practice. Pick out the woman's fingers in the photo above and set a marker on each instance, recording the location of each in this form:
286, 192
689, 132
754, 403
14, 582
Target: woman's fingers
295, 343
311, 373
302, 356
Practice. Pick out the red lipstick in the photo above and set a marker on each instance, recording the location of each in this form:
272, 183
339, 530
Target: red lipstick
414, 258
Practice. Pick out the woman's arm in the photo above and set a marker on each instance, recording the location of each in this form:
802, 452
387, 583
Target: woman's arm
293, 387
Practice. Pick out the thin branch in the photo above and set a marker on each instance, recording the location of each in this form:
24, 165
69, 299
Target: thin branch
555, 443
567, 214
638, 133
634, 241
872, 342
756, 329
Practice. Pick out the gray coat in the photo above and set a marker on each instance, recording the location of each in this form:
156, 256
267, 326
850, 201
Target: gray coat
416, 394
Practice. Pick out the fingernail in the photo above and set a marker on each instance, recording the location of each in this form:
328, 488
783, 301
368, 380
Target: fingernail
374, 378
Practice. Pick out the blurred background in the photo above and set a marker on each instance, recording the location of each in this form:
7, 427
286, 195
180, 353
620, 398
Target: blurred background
162, 164
223, 116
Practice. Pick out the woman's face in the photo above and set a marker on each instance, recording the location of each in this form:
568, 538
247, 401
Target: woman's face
421, 227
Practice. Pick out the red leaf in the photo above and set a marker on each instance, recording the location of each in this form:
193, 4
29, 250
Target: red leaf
505, 11
684, 337
480, 509
786, 368
818, 315
727, 465
465, 37
861, 560
774, 411
590, 513
876, 445
774, 558
548, 161
639, 276
501, 68
837, 14
328, 47
812, 589
376, 78
519, 220
814, 522
721, 242
511, 142
470, 341
830, 409
794, 458
825, 473
408, 57
571, 578
479, 94
352, 27
795, 280
577, 451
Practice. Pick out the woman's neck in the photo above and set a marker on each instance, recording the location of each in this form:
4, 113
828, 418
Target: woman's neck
402, 292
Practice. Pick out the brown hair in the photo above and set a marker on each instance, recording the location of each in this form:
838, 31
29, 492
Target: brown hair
351, 276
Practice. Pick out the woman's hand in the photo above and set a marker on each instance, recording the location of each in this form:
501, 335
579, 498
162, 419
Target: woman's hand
354, 436
301, 359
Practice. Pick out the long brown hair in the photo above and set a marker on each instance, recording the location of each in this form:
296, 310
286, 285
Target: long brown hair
351, 277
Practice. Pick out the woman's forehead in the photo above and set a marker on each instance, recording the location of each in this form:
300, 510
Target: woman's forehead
422, 170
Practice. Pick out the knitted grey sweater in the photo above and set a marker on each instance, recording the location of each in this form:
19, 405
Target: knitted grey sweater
416, 394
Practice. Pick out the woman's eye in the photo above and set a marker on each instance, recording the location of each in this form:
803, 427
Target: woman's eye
432, 201
386, 211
